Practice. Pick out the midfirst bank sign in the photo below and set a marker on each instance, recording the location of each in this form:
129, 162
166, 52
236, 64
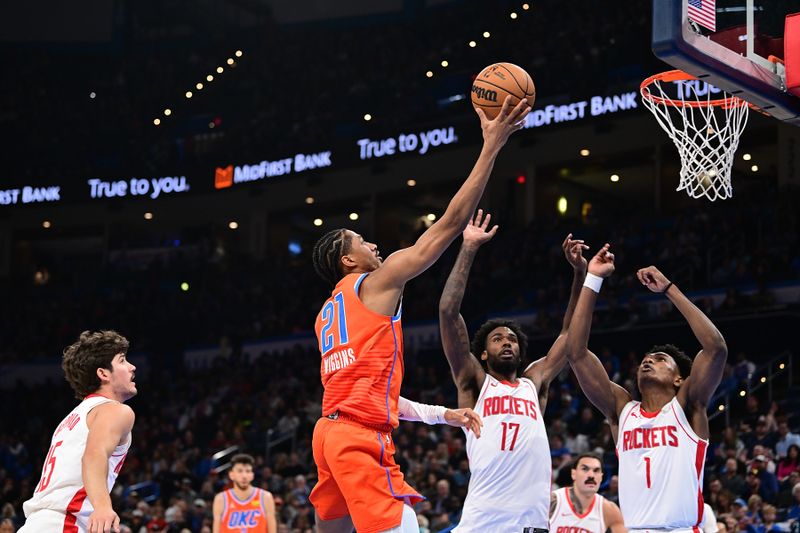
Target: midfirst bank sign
593, 107
225, 177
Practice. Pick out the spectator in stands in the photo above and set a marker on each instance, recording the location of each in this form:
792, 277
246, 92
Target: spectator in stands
761, 435
794, 509
761, 482
731, 479
790, 463
785, 439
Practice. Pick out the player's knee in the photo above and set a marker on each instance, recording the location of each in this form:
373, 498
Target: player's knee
408, 524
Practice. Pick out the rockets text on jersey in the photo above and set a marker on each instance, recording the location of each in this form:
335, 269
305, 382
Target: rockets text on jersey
509, 486
660, 468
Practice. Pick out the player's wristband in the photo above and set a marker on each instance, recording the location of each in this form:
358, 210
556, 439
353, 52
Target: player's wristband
593, 282
666, 288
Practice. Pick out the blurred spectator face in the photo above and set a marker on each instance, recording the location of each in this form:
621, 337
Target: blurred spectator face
442, 488
721, 527
731, 524
715, 486
783, 428
731, 466
6, 526
769, 514
241, 475
587, 475
613, 485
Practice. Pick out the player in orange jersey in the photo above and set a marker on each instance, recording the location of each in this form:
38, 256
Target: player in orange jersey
243, 508
361, 344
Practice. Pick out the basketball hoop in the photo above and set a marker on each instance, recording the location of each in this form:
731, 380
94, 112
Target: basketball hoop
706, 131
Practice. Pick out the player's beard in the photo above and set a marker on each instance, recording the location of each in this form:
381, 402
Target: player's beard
504, 367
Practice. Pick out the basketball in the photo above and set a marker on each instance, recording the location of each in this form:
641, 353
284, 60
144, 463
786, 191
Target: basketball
495, 82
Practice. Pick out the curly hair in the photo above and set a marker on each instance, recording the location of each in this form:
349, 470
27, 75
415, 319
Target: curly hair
242, 459
327, 255
478, 344
683, 361
92, 350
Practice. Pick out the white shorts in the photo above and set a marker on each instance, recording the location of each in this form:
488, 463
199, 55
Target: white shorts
48, 521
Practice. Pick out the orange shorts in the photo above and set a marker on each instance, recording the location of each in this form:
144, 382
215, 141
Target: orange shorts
358, 476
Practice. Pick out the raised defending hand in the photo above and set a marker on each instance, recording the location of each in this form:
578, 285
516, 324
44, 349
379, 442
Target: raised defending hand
509, 120
573, 249
464, 418
652, 278
475, 234
602, 264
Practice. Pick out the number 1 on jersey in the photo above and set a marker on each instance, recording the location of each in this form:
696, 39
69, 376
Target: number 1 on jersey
507, 428
647, 467
328, 316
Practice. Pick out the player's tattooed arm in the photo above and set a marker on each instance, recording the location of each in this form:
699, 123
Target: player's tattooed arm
467, 372
553, 503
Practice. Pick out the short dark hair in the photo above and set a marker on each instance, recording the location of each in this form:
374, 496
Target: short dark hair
479, 340
587, 455
327, 255
242, 459
683, 361
92, 350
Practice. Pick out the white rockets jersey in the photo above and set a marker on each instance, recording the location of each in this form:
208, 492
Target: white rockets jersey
566, 520
61, 487
509, 487
660, 468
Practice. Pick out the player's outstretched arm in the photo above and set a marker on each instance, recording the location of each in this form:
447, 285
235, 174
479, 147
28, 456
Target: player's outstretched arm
410, 262
109, 425
436, 414
607, 396
612, 516
709, 364
467, 371
544, 370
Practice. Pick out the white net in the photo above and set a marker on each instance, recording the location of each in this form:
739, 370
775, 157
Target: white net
705, 130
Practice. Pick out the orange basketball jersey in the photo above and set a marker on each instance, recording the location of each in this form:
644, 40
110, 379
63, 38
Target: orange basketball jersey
244, 516
362, 357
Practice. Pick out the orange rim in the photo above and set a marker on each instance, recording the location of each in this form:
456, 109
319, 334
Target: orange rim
679, 75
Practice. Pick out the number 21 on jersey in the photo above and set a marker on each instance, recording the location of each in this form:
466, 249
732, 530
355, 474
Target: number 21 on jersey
334, 320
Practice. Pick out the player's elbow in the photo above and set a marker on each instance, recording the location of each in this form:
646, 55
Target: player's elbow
718, 348
448, 308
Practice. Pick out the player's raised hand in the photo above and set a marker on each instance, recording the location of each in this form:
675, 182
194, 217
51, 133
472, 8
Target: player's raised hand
602, 264
573, 249
103, 521
652, 278
476, 232
510, 119
464, 418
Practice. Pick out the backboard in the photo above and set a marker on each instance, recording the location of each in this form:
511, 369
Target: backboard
748, 48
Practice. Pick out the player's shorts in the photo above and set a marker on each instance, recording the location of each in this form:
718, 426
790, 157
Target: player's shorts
46, 520
358, 476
